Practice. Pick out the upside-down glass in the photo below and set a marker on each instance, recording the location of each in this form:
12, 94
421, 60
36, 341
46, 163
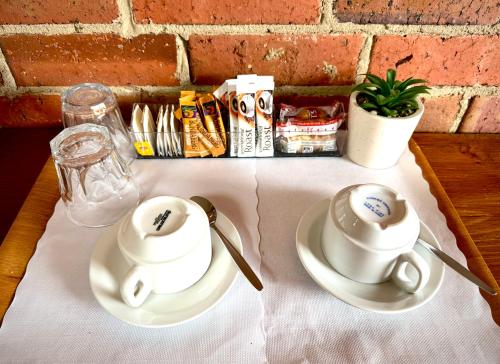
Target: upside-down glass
95, 103
96, 186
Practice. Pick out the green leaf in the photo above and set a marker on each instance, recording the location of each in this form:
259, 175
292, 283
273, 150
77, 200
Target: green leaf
412, 103
369, 106
384, 87
414, 91
360, 87
391, 76
381, 100
369, 93
388, 112
408, 82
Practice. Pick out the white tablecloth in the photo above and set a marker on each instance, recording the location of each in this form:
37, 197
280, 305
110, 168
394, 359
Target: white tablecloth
55, 318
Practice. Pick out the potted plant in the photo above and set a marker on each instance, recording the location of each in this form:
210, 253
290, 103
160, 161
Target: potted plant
382, 117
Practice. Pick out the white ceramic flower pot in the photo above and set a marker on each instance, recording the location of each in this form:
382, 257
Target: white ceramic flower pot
375, 141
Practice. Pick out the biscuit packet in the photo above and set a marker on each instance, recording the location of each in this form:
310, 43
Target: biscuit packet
213, 118
193, 147
310, 129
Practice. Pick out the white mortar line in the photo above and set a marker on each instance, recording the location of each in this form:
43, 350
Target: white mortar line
464, 105
436, 91
328, 26
8, 78
57, 29
313, 90
364, 59
182, 72
327, 10
126, 18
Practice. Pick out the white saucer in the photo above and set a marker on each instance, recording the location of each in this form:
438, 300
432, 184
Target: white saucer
108, 266
384, 297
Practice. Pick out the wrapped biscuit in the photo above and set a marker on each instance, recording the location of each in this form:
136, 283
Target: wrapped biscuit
309, 130
212, 117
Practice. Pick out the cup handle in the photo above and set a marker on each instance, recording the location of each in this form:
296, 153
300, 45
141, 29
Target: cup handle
136, 286
401, 279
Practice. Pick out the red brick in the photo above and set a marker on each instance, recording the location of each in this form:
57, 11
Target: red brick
30, 111
292, 59
440, 113
418, 12
223, 12
452, 61
482, 116
57, 12
60, 60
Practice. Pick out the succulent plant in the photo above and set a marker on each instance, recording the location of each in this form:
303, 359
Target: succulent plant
390, 97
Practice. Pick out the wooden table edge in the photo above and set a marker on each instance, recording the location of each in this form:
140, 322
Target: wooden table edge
20, 242
475, 260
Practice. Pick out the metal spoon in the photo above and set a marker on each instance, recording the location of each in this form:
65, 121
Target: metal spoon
457, 267
238, 258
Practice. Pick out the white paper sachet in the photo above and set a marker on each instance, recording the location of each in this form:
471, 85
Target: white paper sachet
159, 133
233, 117
167, 133
175, 134
136, 124
149, 127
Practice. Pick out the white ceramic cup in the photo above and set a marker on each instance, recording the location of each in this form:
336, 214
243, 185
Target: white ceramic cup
369, 234
167, 242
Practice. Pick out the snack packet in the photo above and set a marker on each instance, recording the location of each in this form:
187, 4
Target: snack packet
213, 118
309, 129
264, 116
193, 147
213, 144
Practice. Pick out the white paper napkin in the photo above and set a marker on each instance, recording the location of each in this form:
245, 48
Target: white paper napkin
55, 318
305, 324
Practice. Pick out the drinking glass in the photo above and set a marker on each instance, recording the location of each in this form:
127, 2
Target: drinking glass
96, 185
95, 103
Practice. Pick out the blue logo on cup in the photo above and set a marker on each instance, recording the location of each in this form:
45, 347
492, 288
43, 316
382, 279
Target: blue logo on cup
377, 206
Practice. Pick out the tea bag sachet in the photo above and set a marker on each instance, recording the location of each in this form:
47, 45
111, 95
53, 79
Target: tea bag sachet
142, 146
176, 135
149, 127
161, 148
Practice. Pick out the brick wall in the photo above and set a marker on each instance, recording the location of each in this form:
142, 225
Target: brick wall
150, 49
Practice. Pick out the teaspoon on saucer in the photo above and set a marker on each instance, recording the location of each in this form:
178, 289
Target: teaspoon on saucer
457, 267
235, 254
